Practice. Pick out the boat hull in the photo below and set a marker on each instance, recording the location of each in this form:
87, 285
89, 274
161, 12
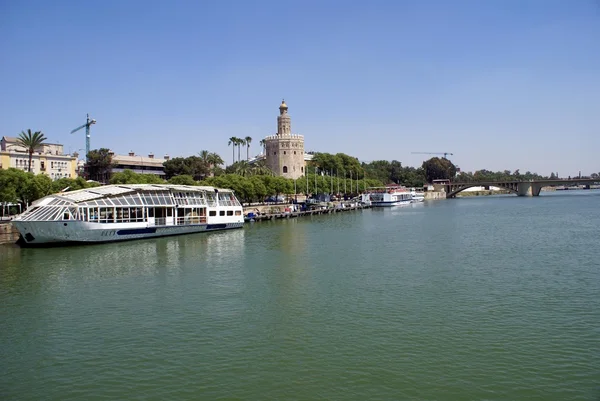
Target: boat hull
63, 232
390, 203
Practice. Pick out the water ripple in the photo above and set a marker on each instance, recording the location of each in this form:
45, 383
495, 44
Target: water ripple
483, 299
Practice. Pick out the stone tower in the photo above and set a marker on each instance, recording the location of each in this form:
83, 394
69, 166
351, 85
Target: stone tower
285, 151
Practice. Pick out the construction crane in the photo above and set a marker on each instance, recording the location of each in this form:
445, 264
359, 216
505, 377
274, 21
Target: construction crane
433, 153
87, 124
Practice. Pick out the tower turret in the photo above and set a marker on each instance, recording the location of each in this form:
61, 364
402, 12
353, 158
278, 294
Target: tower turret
284, 122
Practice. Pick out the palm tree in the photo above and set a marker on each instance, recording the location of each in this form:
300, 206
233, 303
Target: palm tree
261, 168
30, 141
233, 141
248, 139
214, 160
246, 169
241, 142
263, 144
204, 154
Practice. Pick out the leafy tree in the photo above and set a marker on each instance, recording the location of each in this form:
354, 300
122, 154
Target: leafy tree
69, 184
130, 177
199, 167
506, 175
176, 166
17, 186
439, 168
30, 141
99, 164
42, 186
183, 180
259, 188
393, 172
10, 179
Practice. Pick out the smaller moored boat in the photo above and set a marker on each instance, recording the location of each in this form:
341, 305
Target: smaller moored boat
417, 196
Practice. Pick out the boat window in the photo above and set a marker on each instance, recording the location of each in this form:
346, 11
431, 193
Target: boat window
106, 215
230, 213
212, 213
222, 213
93, 214
238, 212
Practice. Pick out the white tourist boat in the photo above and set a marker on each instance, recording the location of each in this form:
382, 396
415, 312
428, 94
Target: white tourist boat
391, 195
123, 212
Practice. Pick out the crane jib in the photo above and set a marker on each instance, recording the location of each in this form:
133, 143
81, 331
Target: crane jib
78, 128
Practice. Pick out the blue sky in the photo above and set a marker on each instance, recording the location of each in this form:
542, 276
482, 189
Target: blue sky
502, 84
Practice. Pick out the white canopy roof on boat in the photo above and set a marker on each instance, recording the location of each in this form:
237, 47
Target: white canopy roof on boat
87, 194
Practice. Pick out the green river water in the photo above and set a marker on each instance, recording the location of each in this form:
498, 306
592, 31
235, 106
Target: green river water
484, 298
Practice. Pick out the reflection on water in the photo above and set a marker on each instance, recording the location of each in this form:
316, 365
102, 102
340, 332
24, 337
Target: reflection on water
136, 258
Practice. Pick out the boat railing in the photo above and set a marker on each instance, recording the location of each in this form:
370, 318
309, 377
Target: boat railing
160, 221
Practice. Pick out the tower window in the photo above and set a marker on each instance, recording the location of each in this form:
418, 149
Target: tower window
294, 152
284, 152
285, 169
274, 153
302, 169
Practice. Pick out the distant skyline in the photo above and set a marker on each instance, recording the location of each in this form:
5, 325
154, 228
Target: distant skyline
500, 84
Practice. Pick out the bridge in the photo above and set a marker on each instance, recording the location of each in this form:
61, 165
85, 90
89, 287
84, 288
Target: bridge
521, 188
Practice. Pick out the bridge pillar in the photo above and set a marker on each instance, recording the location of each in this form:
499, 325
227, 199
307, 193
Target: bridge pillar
528, 189
524, 189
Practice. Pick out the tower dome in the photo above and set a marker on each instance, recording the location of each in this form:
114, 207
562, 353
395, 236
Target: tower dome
283, 107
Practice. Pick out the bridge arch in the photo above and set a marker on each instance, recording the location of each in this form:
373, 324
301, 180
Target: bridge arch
452, 190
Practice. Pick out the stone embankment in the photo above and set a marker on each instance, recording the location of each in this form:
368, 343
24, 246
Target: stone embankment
8, 233
434, 195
